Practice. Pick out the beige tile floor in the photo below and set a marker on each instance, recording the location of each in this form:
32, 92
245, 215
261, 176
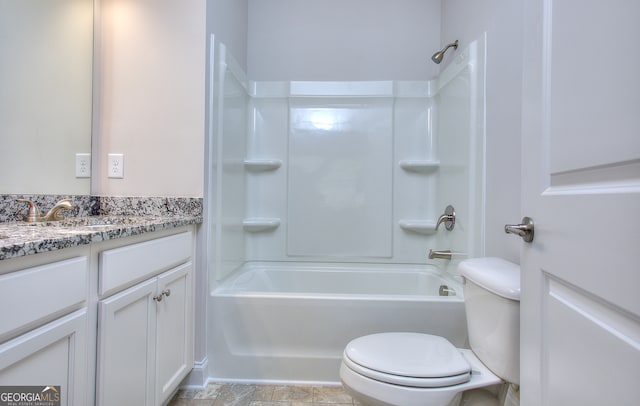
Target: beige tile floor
263, 395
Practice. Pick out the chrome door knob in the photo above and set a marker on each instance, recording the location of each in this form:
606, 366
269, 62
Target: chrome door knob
524, 230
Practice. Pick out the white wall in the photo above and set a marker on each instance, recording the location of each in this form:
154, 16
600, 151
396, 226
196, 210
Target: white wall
151, 90
228, 20
342, 39
501, 19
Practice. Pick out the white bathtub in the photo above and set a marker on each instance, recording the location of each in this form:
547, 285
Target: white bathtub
289, 322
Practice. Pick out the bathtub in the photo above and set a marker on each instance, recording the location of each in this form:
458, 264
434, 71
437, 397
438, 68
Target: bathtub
289, 322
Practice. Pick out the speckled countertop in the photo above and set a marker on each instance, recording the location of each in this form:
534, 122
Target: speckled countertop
93, 219
19, 238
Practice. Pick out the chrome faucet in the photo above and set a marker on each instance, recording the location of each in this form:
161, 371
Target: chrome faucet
448, 218
54, 214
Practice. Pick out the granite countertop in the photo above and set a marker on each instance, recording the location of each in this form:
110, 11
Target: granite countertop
19, 238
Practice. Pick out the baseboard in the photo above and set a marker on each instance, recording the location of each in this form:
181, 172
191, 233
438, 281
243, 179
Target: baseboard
198, 377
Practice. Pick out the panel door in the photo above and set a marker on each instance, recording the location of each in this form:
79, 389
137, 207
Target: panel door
51, 355
174, 345
126, 347
580, 334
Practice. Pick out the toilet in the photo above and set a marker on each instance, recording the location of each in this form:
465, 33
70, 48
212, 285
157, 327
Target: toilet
415, 369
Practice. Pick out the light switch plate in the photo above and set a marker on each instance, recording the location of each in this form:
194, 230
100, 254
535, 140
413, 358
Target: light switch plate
116, 166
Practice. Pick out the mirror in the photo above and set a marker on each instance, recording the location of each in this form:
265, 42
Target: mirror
45, 95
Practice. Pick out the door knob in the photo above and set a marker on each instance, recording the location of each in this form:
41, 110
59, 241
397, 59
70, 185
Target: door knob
524, 230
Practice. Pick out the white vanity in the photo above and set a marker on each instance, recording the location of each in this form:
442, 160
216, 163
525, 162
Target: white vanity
145, 320
110, 321
44, 328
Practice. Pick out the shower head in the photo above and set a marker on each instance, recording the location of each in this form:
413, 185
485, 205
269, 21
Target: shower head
437, 57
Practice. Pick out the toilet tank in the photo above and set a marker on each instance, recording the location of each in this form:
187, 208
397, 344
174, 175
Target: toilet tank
492, 304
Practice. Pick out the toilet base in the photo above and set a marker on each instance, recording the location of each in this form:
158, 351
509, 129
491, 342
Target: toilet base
479, 397
369, 393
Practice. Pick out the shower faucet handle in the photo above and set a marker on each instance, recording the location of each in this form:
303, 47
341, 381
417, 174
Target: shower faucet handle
448, 218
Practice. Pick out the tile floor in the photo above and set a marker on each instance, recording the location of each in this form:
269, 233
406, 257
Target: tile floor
263, 395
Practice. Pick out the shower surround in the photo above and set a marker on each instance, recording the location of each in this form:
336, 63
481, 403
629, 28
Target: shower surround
338, 175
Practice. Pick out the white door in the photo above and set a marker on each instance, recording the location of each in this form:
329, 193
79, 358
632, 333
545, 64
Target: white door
580, 335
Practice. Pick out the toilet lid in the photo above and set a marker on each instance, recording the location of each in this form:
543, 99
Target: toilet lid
408, 359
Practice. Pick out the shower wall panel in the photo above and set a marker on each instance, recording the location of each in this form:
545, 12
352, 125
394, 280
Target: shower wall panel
340, 188
267, 185
352, 171
460, 125
414, 186
231, 149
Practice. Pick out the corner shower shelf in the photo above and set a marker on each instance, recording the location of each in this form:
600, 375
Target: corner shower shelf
418, 226
419, 165
262, 164
258, 224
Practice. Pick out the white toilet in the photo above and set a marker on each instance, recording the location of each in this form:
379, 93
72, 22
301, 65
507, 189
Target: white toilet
407, 369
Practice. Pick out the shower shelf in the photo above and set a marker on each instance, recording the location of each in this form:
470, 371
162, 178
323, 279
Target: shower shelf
262, 164
418, 226
419, 165
258, 224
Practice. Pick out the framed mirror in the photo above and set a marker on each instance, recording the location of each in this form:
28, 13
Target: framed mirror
46, 49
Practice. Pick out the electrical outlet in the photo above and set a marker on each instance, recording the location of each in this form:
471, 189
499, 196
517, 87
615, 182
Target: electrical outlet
116, 166
83, 165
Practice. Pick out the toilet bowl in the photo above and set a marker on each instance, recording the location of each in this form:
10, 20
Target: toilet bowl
405, 368
416, 369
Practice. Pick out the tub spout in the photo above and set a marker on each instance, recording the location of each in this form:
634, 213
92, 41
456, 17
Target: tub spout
440, 254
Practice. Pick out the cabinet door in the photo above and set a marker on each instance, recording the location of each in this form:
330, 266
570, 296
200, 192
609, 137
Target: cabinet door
52, 355
126, 331
174, 345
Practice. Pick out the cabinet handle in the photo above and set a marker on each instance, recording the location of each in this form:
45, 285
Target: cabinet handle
166, 292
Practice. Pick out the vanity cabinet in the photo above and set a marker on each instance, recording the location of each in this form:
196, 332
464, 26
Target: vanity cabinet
145, 321
44, 326
110, 323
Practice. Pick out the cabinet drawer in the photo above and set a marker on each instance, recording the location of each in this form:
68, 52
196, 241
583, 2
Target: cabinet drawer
32, 296
123, 267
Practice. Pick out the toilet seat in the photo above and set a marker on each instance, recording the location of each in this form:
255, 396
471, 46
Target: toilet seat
407, 359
